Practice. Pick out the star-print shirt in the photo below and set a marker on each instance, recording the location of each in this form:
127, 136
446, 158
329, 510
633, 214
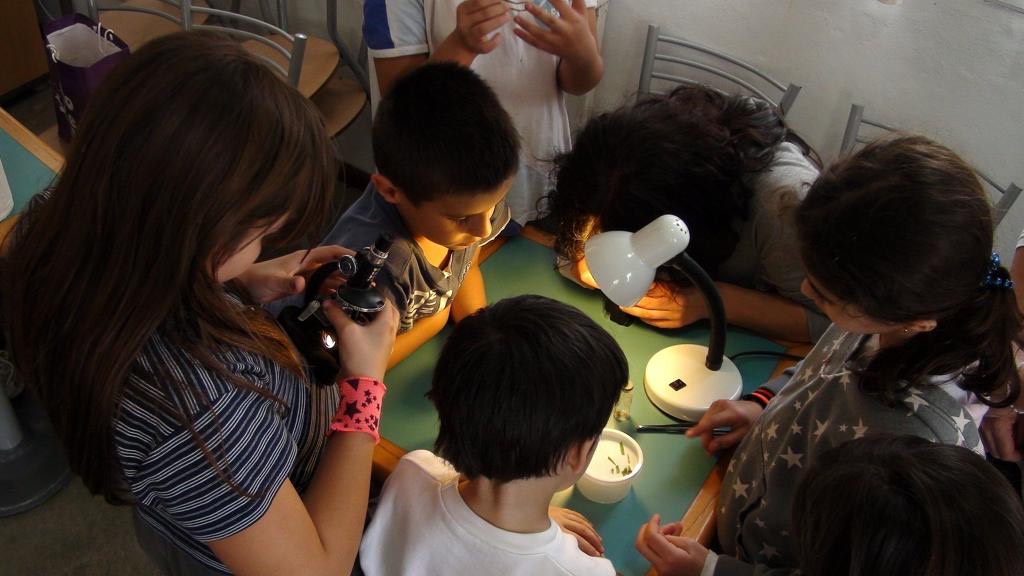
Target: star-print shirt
821, 406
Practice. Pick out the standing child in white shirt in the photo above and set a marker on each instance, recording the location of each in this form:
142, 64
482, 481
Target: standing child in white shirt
529, 55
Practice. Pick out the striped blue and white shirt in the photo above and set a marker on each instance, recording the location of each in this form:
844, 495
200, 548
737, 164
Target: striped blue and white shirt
257, 442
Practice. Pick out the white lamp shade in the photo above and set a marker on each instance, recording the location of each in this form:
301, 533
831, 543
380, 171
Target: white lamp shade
623, 263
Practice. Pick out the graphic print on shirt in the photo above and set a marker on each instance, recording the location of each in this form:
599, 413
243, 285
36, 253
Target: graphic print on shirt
422, 304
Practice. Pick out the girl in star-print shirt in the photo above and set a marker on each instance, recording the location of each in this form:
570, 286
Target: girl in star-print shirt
897, 243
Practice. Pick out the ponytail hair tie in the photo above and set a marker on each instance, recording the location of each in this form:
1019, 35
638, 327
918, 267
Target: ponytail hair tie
997, 276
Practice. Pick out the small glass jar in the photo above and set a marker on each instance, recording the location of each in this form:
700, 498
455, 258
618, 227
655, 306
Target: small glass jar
622, 407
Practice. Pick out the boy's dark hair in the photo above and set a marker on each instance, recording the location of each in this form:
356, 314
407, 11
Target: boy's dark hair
441, 130
686, 153
519, 383
902, 230
903, 505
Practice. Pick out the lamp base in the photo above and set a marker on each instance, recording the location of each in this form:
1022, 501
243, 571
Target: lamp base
680, 385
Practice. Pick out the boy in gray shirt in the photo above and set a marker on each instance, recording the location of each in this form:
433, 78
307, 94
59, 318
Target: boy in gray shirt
446, 155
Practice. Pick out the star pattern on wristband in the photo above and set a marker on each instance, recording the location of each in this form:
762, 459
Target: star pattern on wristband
360, 405
352, 409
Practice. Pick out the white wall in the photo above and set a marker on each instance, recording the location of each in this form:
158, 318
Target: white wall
952, 69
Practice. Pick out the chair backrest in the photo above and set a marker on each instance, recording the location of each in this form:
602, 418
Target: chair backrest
672, 60
95, 8
293, 57
861, 130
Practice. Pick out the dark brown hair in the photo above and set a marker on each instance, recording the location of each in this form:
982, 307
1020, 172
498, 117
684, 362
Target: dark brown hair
904, 505
519, 383
686, 153
441, 131
187, 147
902, 230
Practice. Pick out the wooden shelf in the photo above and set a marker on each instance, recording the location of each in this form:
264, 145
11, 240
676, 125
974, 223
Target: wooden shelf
22, 56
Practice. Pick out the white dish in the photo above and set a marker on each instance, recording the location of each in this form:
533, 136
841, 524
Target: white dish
617, 461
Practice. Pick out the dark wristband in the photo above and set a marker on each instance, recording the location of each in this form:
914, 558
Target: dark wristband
762, 396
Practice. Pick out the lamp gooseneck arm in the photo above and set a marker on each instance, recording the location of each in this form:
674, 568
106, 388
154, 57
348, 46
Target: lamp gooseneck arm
716, 309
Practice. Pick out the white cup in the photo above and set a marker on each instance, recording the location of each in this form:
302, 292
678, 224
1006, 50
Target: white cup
616, 462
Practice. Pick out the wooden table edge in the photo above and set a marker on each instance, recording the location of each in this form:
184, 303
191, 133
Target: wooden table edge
22, 135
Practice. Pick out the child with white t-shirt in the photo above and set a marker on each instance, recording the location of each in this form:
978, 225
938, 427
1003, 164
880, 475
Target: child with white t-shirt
529, 51
523, 389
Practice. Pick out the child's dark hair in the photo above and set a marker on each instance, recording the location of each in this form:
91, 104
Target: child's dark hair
685, 154
904, 505
441, 130
519, 383
902, 230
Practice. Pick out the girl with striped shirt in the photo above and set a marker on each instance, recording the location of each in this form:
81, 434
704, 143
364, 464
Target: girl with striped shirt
132, 298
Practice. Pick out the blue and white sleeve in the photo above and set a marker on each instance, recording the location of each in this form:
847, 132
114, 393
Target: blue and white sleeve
394, 28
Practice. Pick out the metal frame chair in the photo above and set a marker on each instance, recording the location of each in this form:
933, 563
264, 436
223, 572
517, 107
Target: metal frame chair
852, 136
652, 56
133, 24
95, 9
293, 57
339, 99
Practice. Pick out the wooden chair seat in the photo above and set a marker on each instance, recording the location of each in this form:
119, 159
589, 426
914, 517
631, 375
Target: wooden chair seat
318, 64
137, 28
340, 101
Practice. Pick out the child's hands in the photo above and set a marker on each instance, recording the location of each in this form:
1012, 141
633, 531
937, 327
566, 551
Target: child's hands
272, 279
736, 414
669, 553
363, 350
568, 35
1002, 431
577, 271
476, 20
668, 307
576, 524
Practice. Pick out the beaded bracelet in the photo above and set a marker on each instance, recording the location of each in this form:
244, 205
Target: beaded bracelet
359, 410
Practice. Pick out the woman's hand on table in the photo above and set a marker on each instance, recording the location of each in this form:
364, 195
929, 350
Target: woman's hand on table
286, 275
739, 415
669, 553
363, 350
669, 307
575, 524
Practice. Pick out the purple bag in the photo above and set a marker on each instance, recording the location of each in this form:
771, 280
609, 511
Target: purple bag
82, 52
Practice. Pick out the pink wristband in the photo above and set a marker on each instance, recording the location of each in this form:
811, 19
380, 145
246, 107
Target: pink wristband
359, 410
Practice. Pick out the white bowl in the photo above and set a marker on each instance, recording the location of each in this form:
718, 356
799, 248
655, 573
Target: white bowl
616, 462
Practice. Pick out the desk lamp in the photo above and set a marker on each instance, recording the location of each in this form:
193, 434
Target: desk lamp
682, 380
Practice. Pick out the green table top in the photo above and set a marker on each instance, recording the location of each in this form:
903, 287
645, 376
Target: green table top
26, 174
674, 467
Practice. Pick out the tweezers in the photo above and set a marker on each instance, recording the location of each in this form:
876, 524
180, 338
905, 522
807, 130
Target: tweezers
677, 428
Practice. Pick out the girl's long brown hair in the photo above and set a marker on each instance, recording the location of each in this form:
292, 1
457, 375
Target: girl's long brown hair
187, 147
903, 231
